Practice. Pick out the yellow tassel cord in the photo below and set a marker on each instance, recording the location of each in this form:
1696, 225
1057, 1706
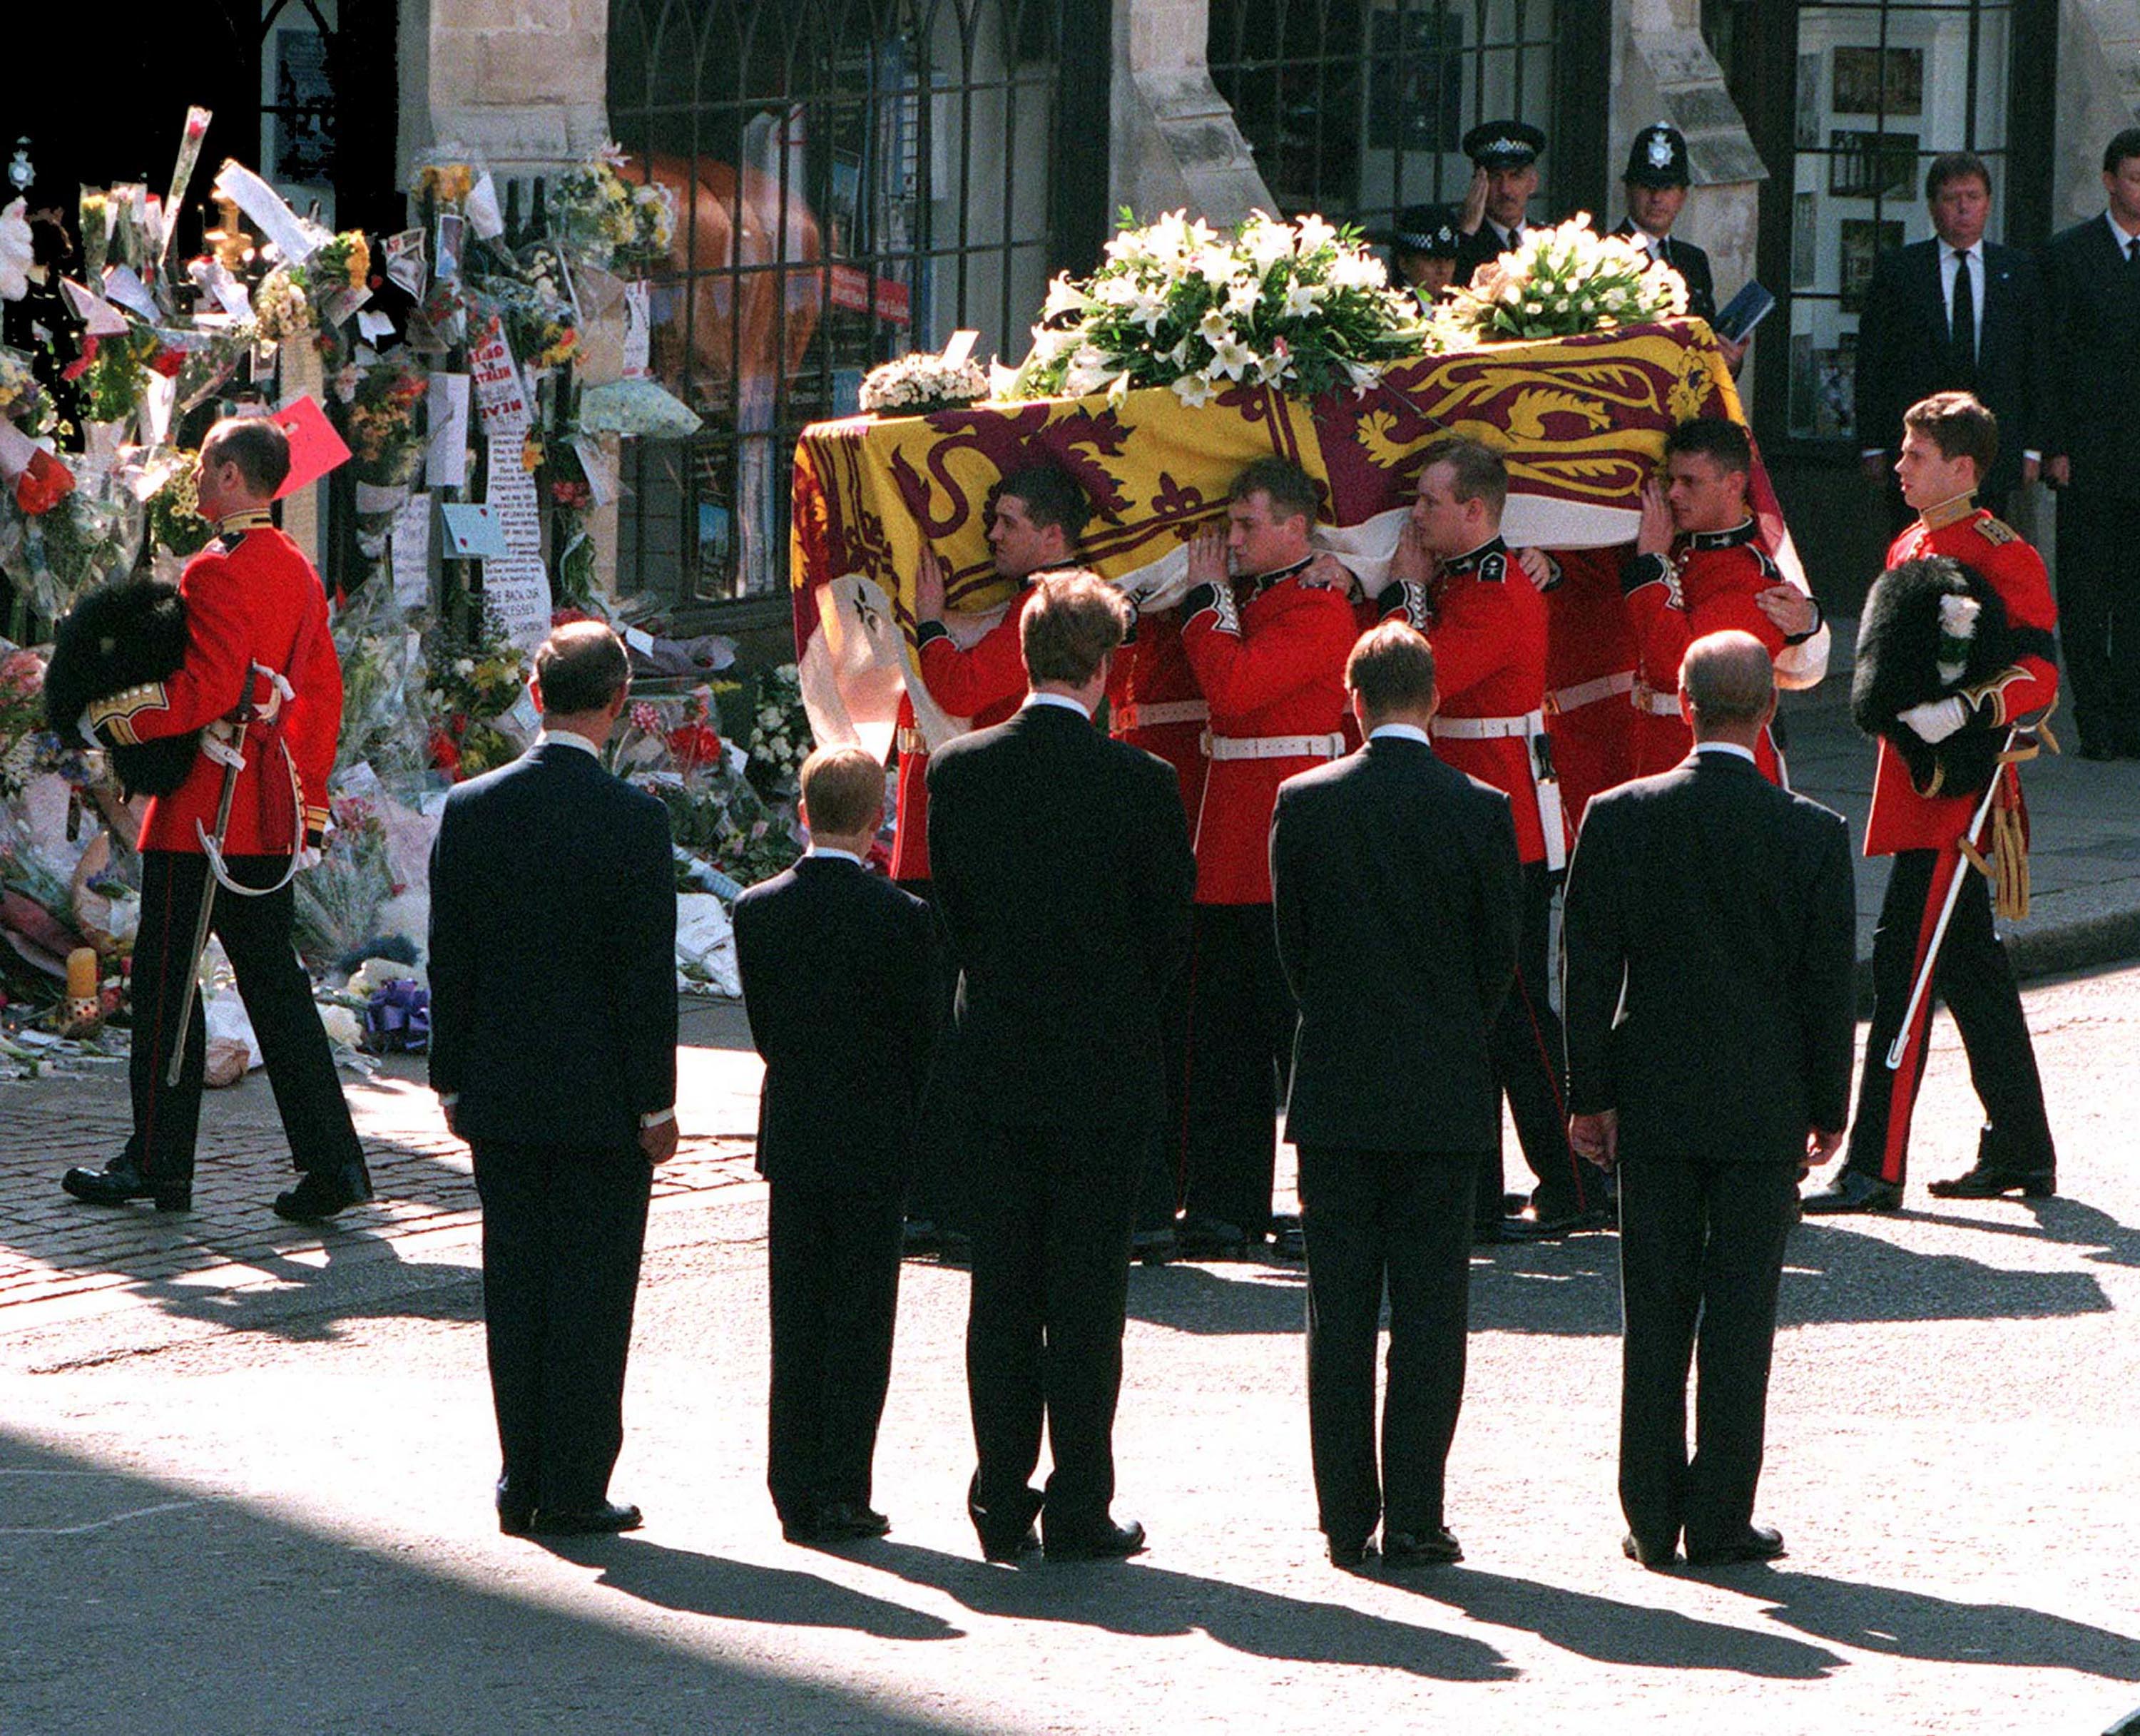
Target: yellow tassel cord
2008, 868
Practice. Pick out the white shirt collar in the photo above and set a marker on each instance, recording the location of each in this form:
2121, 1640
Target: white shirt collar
1974, 250
2125, 237
1400, 732
1062, 700
565, 737
1745, 753
835, 855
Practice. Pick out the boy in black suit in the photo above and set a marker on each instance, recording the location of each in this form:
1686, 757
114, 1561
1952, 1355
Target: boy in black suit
1710, 943
836, 967
1398, 897
1063, 880
553, 1049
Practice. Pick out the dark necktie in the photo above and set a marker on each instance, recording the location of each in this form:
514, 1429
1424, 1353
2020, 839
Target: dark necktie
1962, 331
2133, 251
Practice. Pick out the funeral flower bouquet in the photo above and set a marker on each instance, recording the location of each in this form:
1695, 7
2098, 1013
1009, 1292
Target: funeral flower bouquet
174, 520
780, 738
1559, 282
595, 213
921, 384
1302, 306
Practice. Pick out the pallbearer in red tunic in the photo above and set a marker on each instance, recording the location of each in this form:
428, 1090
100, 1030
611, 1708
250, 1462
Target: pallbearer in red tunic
1949, 441
261, 678
1590, 663
1033, 525
1269, 655
1698, 568
1460, 585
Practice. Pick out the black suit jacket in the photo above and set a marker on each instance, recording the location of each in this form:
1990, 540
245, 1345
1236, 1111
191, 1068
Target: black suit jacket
1397, 895
1482, 247
2093, 359
553, 954
1062, 876
1710, 934
1692, 263
1904, 353
839, 974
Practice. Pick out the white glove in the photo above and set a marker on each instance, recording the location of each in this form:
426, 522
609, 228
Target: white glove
1937, 720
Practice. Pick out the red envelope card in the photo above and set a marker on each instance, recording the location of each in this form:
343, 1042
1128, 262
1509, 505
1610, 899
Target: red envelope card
315, 448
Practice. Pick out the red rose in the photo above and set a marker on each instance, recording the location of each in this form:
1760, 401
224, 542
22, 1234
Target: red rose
44, 484
169, 362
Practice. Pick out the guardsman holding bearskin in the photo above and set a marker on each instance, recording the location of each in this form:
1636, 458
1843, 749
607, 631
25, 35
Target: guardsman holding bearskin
1949, 442
1698, 568
1271, 665
260, 680
1460, 585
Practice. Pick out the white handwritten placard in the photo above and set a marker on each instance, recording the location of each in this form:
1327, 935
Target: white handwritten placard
516, 586
501, 396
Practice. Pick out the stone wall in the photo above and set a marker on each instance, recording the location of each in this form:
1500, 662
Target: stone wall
1175, 144
2099, 96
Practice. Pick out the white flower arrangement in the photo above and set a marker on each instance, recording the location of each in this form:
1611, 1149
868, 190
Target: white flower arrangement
917, 384
1958, 616
1299, 305
281, 312
780, 737
1559, 283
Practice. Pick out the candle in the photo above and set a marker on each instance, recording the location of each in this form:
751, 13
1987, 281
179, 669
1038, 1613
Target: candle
81, 974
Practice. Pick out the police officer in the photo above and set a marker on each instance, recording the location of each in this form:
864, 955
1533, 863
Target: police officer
1655, 183
1422, 243
1505, 178
261, 678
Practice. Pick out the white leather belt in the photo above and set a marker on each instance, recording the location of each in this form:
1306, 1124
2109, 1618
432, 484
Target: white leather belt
1538, 762
910, 740
1160, 711
1655, 704
1589, 693
1273, 746
1488, 730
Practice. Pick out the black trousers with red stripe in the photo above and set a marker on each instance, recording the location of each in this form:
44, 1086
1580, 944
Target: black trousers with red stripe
1975, 980
255, 932
1241, 1024
1529, 1058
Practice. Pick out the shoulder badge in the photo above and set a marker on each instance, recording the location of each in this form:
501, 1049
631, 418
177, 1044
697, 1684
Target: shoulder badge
1996, 531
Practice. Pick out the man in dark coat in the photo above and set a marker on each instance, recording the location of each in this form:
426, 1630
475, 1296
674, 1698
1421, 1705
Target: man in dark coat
1505, 178
1711, 941
553, 1048
1063, 881
1398, 899
2093, 441
1659, 173
837, 970
1954, 313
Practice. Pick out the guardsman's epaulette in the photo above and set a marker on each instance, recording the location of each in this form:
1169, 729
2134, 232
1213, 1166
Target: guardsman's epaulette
1737, 536
1996, 531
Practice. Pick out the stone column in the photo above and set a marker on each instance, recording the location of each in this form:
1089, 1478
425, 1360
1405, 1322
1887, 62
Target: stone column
2099, 96
522, 82
1662, 70
1176, 142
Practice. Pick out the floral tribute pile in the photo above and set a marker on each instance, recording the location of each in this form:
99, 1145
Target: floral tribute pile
458, 360
1559, 283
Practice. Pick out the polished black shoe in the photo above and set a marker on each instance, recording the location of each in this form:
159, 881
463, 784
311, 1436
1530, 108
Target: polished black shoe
1110, 1542
1290, 1243
585, 1522
119, 1181
844, 1520
1011, 1548
1760, 1543
1852, 1192
1201, 1238
1154, 1247
1556, 1225
321, 1194
1492, 1231
1435, 1548
516, 1512
1352, 1558
1987, 1184
2098, 751
1657, 1560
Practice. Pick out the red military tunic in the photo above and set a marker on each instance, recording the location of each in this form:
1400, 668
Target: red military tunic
1707, 585
252, 598
1154, 703
1901, 819
1271, 670
984, 684
1590, 662
1487, 623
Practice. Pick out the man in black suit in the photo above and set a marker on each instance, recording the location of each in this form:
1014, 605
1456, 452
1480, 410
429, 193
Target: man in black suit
553, 1048
1954, 313
1063, 881
1398, 899
838, 971
1710, 944
2094, 282
1659, 173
